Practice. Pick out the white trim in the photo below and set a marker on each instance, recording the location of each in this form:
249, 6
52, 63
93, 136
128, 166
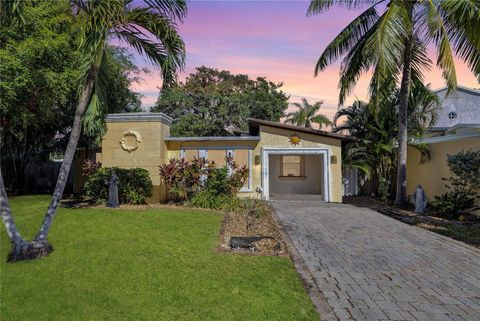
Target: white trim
212, 138
250, 177
446, 138
324, 151
216, 147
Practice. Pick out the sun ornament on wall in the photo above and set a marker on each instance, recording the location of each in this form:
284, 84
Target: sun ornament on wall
130, 140
295, 139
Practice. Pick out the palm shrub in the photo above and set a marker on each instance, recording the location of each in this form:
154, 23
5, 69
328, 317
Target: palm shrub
134, 186
307, 114
463, 184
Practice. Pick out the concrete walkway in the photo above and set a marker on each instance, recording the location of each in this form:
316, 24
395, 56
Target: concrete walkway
371, 267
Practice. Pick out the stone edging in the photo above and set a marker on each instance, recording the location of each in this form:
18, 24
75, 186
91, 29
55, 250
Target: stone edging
321, 305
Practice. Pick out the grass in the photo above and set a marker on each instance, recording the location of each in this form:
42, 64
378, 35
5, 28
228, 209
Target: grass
142, 265
466, 233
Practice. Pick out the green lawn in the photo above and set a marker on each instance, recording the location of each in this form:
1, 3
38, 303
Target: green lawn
143, 265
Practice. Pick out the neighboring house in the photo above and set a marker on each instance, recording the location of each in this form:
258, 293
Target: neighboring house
283, 159
457, 129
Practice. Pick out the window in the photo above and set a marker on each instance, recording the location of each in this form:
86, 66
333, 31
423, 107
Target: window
452, 115
292, 166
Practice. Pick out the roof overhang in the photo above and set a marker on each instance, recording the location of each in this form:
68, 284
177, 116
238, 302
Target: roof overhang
445, 138
212, 138
138, 117
300, 129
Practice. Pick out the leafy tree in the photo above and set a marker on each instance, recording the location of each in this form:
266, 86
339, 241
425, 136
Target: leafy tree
374, 151
390, 37
39, 63
147, 27
463, 184
307, 114
214, 103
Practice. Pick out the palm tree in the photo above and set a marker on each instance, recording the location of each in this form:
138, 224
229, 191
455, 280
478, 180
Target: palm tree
390, 38
150, 29
374, 151
307, 114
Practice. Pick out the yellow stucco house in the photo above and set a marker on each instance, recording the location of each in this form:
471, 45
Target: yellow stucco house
457, 129
283, 159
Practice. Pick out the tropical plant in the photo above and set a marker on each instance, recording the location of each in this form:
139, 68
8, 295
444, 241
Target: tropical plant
463, 184
150, 29
307, 114
374, 150
182, 178
390, 37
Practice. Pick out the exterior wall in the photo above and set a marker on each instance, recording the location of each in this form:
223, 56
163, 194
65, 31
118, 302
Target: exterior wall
150, 154
278, 137
465, 103
153, 151
430, 174
310, 184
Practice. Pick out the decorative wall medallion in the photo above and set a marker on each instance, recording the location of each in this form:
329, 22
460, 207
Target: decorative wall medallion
130, 140
295, 139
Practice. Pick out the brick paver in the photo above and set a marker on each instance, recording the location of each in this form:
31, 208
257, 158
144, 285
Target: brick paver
372, 267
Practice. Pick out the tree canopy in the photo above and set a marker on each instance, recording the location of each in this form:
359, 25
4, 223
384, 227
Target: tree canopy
39, 68
211, 102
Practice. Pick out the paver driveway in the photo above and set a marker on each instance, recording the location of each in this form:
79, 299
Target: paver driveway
372, 267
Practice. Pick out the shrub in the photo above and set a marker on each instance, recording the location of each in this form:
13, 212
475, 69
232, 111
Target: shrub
182, 179
90, 167
219, 188
134, 186
463, 184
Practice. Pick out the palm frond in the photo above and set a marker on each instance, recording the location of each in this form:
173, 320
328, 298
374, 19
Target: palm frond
11, 11
462, 22
347, 38
437, 31
319, 6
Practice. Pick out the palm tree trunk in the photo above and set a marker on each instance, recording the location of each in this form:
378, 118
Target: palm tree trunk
69, 155
401, 193
12, 231
40, 247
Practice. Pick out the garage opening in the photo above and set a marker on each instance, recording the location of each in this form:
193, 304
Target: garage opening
296, 174
305, 176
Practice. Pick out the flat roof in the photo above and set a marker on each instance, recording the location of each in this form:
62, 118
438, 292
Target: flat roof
211, 138
138, 117
300, 129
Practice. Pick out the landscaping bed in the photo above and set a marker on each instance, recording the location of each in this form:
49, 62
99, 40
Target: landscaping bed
467, 231
251, 229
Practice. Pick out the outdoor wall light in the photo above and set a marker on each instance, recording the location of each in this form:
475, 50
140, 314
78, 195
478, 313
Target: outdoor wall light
333, 159
257, 159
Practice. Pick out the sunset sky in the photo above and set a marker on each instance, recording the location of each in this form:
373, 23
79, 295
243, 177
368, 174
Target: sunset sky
273, 39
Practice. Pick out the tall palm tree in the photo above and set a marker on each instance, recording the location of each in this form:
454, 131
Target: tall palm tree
307, 115
373, 152
150, 29
390, 38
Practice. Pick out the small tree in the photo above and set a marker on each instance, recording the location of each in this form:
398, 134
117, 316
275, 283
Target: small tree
463, 184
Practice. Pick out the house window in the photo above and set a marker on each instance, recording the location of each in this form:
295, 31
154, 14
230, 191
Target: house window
292, 166
452, 115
